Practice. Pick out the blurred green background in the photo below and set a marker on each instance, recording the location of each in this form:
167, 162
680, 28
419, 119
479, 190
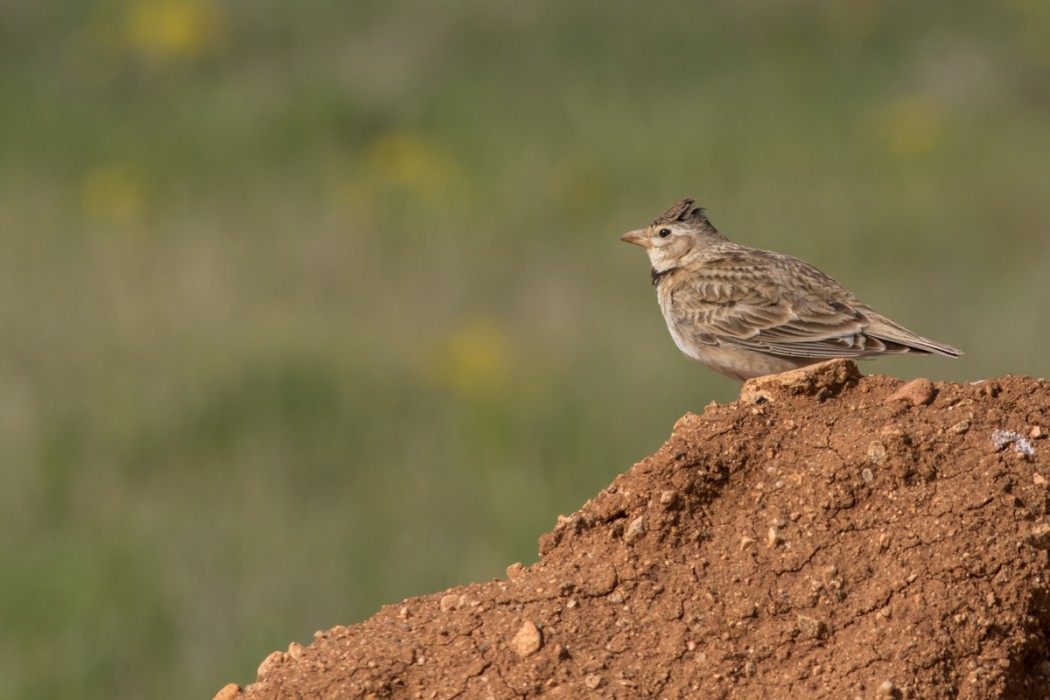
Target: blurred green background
310, 307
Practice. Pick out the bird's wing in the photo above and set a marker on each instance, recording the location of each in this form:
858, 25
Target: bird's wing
774, 304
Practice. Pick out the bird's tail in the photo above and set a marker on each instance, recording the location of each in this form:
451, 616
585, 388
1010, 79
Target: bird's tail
899, 339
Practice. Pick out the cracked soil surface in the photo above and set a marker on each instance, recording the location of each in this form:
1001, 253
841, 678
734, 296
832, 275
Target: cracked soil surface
814, 539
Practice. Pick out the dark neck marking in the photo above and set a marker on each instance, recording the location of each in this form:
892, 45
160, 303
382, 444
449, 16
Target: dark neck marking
658, 277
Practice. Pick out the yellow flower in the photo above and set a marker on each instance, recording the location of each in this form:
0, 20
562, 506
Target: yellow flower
111, 193
396, 161
404, 159
911, 125
473, 358
172, 29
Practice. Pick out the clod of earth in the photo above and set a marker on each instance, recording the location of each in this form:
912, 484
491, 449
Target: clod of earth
826, 536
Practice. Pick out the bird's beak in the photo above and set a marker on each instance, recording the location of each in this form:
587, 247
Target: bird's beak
637, 237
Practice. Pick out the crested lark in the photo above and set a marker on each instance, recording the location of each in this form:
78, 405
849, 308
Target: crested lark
746, 312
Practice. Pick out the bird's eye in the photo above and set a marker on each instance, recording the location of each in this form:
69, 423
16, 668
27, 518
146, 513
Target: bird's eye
664, 233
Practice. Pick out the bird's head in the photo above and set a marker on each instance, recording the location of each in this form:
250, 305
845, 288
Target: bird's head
674, 234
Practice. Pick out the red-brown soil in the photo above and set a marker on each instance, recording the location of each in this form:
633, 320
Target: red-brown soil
815, 539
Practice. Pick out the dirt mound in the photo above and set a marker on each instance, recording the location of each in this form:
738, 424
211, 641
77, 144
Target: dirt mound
818, 538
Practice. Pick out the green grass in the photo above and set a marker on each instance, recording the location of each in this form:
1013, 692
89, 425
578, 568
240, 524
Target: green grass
309, 311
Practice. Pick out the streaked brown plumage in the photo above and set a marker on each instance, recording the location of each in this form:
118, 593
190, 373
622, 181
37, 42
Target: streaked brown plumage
746, 312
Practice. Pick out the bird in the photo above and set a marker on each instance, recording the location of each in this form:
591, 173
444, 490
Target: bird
746, 312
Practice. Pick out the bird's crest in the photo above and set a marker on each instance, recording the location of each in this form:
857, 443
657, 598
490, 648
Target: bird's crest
684, 212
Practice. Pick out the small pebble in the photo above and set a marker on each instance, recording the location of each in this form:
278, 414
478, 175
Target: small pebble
295, 650
449, 602
773, 537
514, 569
592, 681
1039, 479
635, 530
527, 641
961, 427
1039, 537
812, 628
228, 692
876, 452
1002, 438
888, 690
919, 392
893, 432
272, 661
867, 475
